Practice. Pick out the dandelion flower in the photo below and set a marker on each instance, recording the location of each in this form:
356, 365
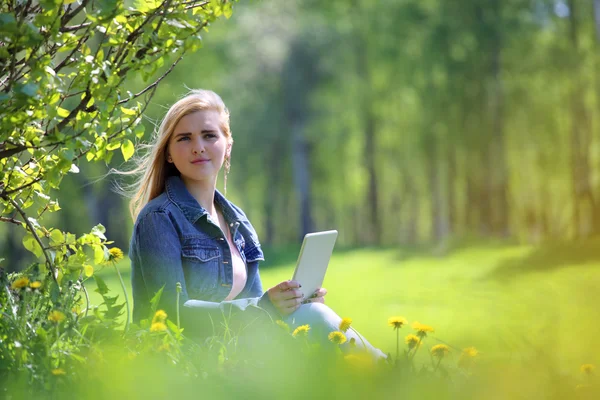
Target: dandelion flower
301, 330
422, 329
159, 316
58, 371
164, 347
440, 350
56, 316
412, 341
397, 322
337, 337
282, 324
467, 356
35, 285
20, 283
88, 270
345, 324
158, 327
588, 368
115, 254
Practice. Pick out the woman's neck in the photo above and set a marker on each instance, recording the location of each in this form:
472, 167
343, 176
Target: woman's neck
204, 193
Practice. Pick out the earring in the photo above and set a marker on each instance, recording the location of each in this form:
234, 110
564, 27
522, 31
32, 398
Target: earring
227, 167
170, 159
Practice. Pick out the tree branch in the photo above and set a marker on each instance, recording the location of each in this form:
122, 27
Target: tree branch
35, 235
11, 220
155, 82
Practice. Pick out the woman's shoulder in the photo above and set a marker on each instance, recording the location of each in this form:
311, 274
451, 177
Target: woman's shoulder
158, 205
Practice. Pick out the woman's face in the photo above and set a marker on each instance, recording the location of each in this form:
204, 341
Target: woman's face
198, 147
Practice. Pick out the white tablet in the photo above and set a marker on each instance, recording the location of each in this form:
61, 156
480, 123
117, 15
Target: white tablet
313, 260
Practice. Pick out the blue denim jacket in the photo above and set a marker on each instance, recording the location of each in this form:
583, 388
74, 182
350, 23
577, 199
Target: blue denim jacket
174, 240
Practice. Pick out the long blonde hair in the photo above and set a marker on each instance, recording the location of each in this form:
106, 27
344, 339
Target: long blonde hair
153, 169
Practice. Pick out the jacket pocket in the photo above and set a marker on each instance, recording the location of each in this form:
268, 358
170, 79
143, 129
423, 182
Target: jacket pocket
201, 263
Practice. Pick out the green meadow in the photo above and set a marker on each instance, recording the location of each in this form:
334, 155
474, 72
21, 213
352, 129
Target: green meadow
513, 303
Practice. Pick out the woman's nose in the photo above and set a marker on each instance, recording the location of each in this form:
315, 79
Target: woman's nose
198, 147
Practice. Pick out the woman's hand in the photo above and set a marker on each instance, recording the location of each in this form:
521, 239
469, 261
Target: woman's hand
286, 297
317, 297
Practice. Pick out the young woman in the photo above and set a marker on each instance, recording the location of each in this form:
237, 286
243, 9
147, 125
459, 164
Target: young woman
187, 232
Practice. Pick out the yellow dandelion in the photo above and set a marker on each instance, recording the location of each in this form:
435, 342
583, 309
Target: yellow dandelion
56, 316
422, 329
440, 350
337, 337
159, 316
88, 270
470, 352
20, 283
397, 322
412, 341
301, 330
76, 310
467, 357
158, 327
35, 285
283, 325
588, 369
115, 254
58, 371
164, 347
345, 324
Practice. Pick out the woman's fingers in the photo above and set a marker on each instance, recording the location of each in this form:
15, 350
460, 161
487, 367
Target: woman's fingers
286, 295
285, 285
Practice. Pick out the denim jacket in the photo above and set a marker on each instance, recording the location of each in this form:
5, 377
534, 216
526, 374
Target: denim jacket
175, 240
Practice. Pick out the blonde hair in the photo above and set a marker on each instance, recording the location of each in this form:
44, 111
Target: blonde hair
153, 169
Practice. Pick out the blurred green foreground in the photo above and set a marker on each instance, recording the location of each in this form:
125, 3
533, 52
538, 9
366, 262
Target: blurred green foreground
530, 311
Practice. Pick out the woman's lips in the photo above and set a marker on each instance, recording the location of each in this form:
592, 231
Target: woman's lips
203, 161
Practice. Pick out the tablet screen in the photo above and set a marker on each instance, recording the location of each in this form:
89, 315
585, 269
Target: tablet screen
313, 260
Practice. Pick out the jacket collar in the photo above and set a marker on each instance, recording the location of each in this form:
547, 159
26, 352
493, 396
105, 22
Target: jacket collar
178, 194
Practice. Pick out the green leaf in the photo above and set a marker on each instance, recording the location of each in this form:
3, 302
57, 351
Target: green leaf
100, 253
62, 112
102, 288
99, 230
56, 237
128, 111
113, 145
32, 245
155, 300
127, 149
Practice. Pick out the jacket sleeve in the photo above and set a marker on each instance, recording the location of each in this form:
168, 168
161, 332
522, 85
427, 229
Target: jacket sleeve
157, 262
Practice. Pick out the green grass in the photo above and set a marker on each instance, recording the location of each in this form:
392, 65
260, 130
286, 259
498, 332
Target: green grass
515, 302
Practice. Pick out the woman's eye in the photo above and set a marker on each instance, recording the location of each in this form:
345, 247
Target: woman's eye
183, 138
210, 136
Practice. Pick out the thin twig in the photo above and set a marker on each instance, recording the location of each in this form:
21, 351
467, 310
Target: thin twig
35, 235
11, 220
155, 82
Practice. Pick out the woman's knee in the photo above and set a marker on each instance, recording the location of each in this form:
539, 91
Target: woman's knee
319, 316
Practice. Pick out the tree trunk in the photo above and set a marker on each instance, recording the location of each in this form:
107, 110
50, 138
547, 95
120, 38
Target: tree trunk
583, 198
372, 194
437, 186
302, 177
299, 79
498, 182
